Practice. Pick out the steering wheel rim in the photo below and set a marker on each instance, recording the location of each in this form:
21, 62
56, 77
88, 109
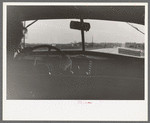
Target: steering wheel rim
49, 49
64, 63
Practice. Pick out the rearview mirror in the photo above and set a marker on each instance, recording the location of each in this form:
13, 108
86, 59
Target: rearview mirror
78, 25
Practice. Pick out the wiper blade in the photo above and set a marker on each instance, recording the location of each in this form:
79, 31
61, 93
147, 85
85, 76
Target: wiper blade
31, 24
136, 28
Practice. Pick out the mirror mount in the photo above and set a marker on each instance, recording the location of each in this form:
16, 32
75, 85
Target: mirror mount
82, 34
83, 26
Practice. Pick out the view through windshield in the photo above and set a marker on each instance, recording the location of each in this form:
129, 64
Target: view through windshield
103, 36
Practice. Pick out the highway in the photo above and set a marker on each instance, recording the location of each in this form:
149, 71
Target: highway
114, 51
107, 50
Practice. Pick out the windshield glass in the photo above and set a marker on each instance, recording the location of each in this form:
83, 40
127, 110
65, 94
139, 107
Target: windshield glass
108, 36
103, 36
53, 32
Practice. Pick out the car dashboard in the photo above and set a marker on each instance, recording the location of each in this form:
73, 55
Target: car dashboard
90, 77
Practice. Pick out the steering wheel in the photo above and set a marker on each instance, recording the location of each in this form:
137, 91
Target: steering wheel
49, 48
63, 63
48, 52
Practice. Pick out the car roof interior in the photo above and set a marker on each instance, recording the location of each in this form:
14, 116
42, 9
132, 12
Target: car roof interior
134, 14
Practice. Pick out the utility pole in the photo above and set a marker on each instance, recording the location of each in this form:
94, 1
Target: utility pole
92, 41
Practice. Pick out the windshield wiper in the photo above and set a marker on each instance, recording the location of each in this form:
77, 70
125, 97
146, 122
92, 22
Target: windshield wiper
136, 28
31, 24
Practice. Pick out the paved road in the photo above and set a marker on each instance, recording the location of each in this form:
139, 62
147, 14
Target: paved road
113, 51
107, 50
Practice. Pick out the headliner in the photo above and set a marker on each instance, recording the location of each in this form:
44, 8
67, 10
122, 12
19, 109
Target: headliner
133, 14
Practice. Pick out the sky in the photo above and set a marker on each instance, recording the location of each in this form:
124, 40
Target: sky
58, 31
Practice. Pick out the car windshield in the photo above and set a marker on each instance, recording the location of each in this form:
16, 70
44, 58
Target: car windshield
103, 36
54, 32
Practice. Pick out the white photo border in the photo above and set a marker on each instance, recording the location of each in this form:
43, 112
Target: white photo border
72, 110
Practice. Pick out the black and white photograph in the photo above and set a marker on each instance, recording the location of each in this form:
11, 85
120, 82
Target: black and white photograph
75, 52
